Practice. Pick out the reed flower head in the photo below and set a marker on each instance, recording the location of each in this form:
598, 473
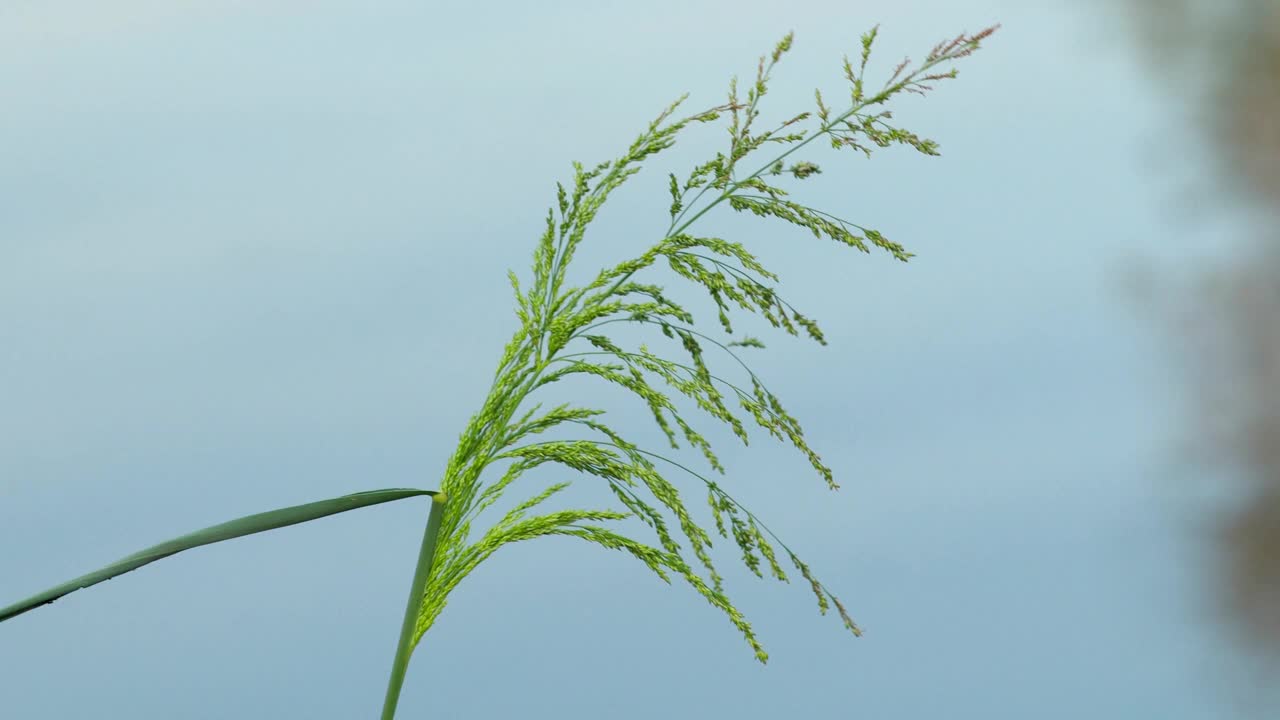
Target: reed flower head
560, 334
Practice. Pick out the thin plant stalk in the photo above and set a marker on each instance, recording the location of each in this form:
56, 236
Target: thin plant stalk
404, 649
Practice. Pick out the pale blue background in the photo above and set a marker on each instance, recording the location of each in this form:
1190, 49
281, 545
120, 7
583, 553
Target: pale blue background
253, 254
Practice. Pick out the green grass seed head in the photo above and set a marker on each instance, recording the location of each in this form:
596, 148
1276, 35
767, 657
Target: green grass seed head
557, 338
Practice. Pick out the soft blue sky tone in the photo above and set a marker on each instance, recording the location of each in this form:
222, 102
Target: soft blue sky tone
254, 254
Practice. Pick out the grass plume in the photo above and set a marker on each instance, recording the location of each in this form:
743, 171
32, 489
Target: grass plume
555, 319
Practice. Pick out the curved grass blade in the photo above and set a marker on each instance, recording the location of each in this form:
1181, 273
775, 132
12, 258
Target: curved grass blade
247, 525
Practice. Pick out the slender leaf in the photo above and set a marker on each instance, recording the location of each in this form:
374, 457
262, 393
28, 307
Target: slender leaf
247, 525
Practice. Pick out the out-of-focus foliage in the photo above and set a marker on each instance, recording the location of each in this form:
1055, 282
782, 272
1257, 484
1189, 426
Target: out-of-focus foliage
1222, 58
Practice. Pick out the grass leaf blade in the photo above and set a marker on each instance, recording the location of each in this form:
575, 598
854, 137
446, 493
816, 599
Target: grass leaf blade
247, 525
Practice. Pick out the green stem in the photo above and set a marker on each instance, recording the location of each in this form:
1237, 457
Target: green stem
405, 648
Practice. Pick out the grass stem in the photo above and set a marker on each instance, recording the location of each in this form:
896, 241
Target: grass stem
403, 650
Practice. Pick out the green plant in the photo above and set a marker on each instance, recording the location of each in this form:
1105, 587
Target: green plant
553, 316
